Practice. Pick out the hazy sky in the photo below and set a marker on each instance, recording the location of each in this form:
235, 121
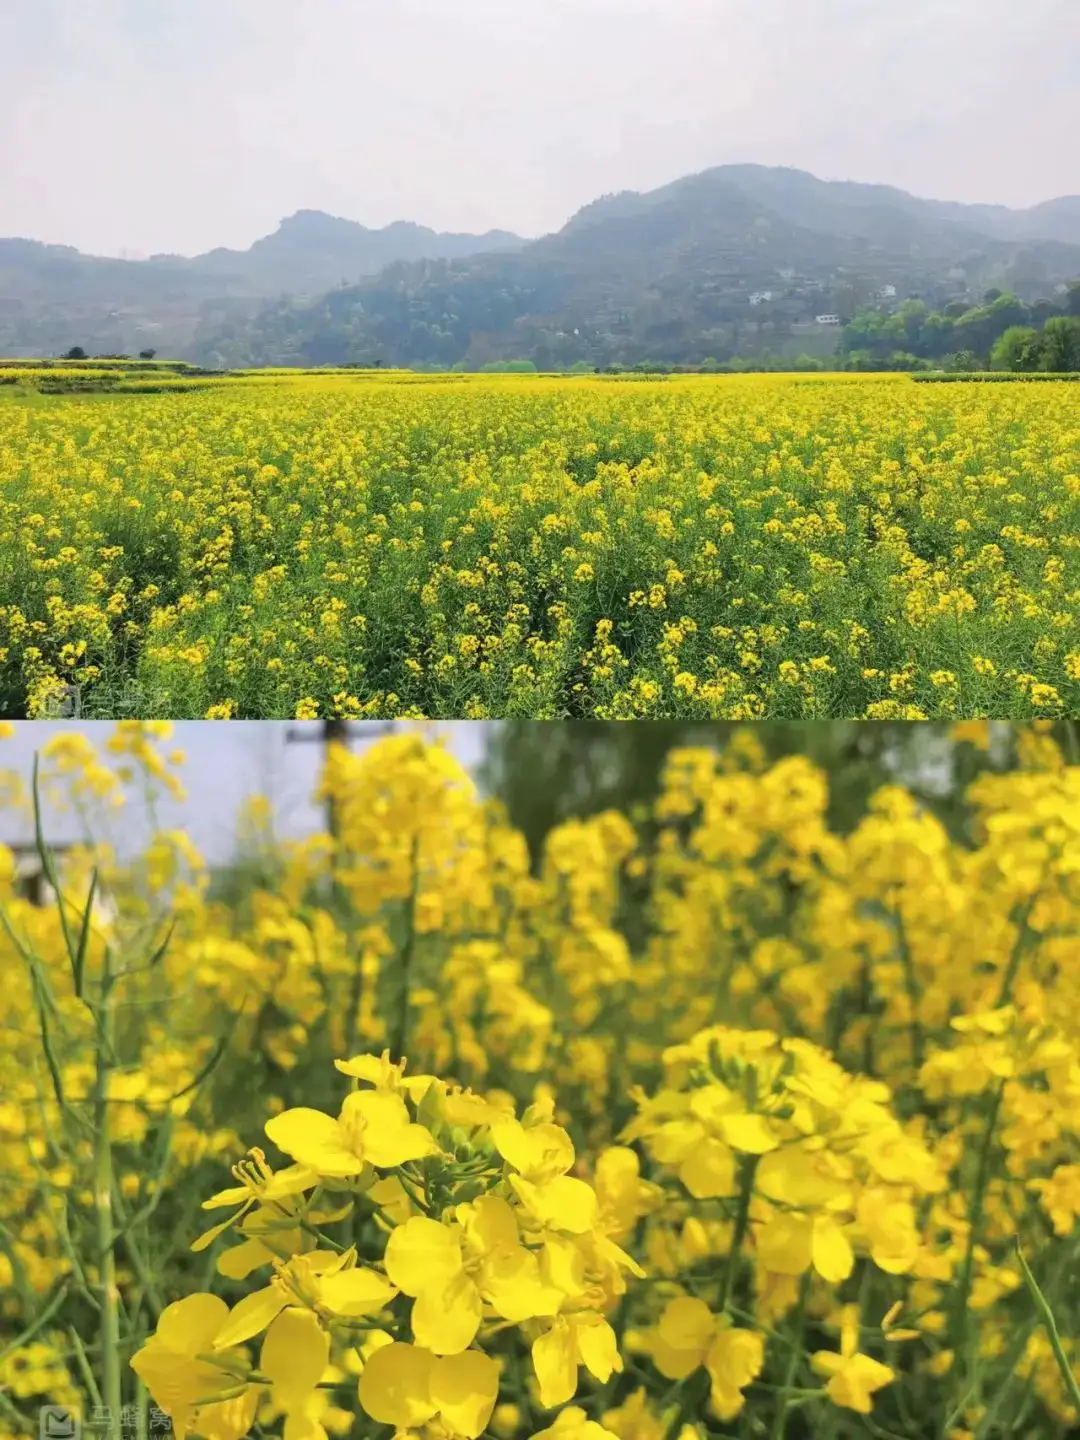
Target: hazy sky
226, 763
176, 125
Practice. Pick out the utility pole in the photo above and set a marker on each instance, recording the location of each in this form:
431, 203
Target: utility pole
334, 732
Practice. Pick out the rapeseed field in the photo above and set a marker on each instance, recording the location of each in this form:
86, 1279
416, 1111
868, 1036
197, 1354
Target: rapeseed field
289, 545
717, 1123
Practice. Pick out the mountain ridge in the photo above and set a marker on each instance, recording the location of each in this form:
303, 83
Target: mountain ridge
671, 267
727, 261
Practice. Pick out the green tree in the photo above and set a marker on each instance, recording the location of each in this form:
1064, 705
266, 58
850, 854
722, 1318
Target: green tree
1059, 348
964, 360
1018, 349
75, 353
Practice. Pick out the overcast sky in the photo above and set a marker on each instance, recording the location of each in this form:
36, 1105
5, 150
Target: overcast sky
226, 763
144, 126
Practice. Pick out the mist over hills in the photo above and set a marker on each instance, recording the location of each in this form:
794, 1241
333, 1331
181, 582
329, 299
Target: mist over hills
725, 261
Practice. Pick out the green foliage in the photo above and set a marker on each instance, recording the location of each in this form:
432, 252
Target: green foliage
1059, 349
1004, 333
1016, 349
509, 367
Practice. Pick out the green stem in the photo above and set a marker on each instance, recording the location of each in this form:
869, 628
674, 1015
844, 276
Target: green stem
748, 1167
42, 1320
780, 1416
978, 1197
85, 1370
911, 985
142, 1411
866, 995
1062, 1271
1046, 1315
408, 955
111, 1374
1017, 954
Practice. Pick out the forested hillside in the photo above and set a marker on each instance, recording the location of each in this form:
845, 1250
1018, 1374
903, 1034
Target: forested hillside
738, 260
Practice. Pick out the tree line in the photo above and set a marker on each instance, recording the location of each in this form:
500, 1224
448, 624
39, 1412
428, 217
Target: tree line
1001, 333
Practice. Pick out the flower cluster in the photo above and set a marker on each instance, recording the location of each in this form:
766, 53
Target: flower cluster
462, 1220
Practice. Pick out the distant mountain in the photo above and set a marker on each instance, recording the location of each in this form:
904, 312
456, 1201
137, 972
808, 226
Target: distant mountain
53, 296
732, 260
728, 261
312, 251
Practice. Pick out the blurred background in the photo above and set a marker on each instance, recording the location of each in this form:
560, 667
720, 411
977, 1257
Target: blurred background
542, 772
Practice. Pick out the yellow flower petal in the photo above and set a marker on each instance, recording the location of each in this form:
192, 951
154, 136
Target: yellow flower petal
230, 1419
299, 1427
241, 1260
510, 1282
561, 1202
673, 1364
785, 1244
751, 1134
708, 1170
445, 1319
207, 1238
294, 1356
250, 1315
832, 1254
687, 1324
568, 1204
189, 1326
356, 1292
554, 1357
395, 1386
464, 1389
236, 1195
422, 1254
597, 1346
176, 1382
291, 1181
489, 1223
538, 1152
735, 1359
315, 1140
389, 1137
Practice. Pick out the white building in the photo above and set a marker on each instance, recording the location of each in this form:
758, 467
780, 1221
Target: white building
29, 882
828, 319
887, 292
759, 295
